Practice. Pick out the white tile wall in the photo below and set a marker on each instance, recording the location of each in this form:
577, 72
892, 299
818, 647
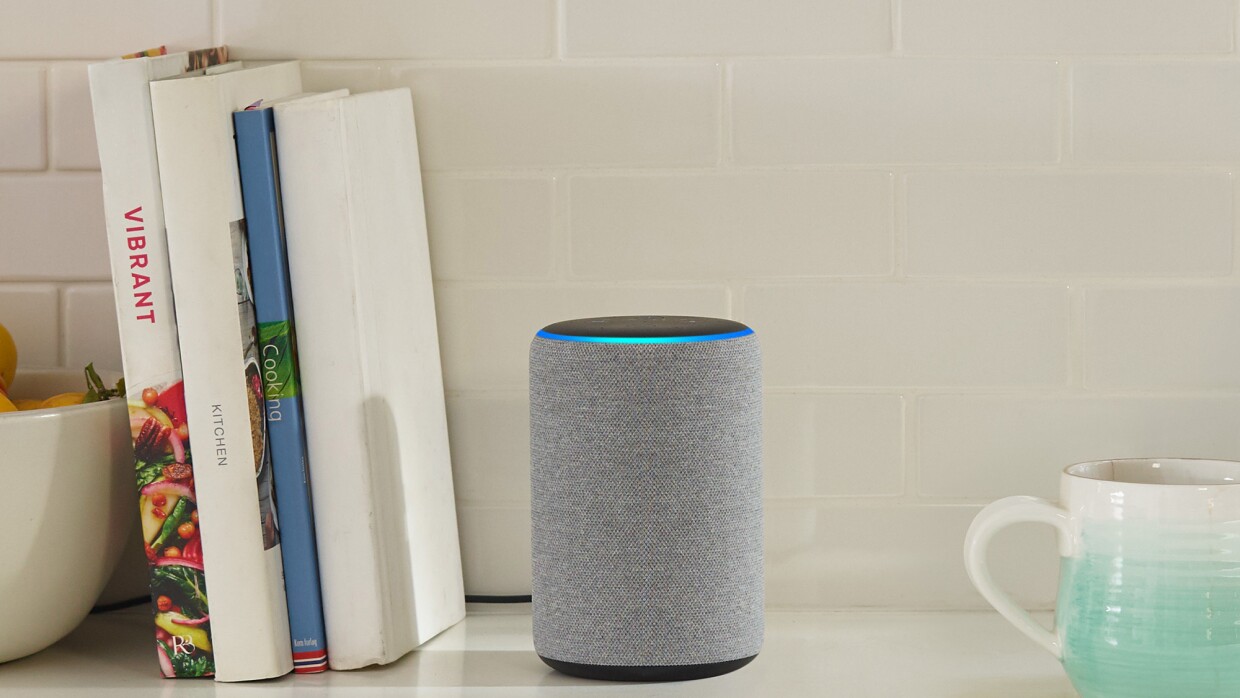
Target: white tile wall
31, 312
90, 334
1133, 112
72, 139
886, 110
718, 226
708, 27
1162, 338
22, 117
387, 28
986, 27
53, 227
1069, 223
490, 228
839, 335
566, 115
988, 446
979, 239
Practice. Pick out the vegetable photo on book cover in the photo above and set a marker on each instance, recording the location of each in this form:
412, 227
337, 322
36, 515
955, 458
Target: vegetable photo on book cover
169, 515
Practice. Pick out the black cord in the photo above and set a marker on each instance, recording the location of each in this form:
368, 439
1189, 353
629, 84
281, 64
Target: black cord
476, 598
482, 598
118, 605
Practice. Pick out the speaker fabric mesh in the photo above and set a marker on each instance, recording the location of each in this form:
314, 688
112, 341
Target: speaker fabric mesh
646, 488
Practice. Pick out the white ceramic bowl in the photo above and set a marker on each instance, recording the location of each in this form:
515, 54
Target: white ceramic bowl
67, 506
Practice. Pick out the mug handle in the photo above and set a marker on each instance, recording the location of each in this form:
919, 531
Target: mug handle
989, 521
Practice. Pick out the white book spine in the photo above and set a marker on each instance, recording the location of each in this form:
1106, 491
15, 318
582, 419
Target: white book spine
381, 481
205, 223
121, 97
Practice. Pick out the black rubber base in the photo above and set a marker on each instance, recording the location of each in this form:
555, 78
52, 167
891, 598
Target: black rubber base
682, 672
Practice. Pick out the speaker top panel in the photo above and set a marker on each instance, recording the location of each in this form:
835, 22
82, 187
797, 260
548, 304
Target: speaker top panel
640, 329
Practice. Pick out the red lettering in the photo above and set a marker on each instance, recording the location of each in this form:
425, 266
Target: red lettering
133, 215
142, 300
137, 261
137, 242
149, 317
139, 280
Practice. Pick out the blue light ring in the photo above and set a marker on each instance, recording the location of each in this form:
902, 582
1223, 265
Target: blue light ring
645, 340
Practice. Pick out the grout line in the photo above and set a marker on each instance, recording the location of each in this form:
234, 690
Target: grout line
910, 463
217, 23
1067, 107
561, 231
899, 225
666, 170
559, 21
1235, 228
1076, 338
727, 157
62, 326
896, 8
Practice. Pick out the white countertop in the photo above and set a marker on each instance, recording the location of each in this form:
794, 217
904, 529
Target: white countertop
838, 654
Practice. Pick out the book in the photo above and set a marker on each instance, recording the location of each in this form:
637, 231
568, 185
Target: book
273, 306
219, 360
150, 353
381, 480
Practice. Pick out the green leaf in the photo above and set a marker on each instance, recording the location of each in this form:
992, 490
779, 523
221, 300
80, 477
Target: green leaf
96, 391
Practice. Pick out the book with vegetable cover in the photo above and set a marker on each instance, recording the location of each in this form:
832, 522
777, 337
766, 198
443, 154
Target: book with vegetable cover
273, 303
220, 360
120, 92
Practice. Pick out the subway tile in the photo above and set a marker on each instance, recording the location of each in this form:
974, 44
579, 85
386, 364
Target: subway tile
712, 226
1162, 338
498, 228
387, 28
832, 445
564, 115
90, 327
894, 110
1006, 27
495, 549
22, 118
1067, 223
74, 29
989, 446
901, 334
355, 76
1156, 112
31, 313
73, 145
905, 557
490, 438
710, 27
485, 333
58, 229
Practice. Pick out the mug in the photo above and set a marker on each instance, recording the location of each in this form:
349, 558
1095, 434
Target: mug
1149, 583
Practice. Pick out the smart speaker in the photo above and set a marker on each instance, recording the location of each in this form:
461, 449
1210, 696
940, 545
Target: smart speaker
646, 487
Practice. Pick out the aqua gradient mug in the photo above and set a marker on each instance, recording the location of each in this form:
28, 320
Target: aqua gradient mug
1149, 584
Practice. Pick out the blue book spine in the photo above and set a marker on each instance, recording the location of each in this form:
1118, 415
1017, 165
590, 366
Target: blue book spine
256, 156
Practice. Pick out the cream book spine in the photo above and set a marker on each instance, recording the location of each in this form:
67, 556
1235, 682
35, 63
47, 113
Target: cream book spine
381, 480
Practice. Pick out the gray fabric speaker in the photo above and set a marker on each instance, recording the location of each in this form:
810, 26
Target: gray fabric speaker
646, 487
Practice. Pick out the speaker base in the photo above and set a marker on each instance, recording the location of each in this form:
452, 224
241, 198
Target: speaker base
679, 672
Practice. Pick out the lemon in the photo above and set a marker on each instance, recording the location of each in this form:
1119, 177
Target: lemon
8, 359
63, 399
26, 404
6, 405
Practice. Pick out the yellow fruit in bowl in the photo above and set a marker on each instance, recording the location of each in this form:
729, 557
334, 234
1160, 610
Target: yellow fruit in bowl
63, 399
6, 405
27, 404
8, 359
